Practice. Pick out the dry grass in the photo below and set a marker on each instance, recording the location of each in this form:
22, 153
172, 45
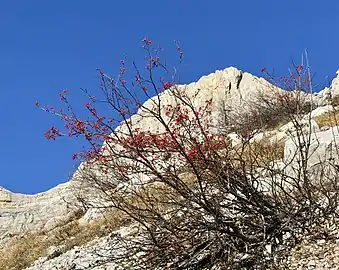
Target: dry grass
328, 119
259, 153
155, 196
23, 251
335, 101
279, 125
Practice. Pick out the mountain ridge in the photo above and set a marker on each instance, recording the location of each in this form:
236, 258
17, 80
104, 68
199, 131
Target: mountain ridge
21, 213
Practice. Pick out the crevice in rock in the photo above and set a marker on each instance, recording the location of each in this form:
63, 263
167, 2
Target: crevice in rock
239, 78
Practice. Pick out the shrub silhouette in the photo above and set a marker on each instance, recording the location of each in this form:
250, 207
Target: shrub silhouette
196, 201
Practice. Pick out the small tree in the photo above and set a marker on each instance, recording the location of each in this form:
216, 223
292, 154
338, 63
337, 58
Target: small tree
195, 200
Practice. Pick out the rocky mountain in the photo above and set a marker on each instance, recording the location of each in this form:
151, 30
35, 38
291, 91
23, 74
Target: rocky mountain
21, 213
230, 89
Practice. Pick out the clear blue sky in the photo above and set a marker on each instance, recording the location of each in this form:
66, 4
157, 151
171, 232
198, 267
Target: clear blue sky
47, 46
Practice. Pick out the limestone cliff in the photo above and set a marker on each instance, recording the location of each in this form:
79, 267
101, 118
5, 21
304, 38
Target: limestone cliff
229, 88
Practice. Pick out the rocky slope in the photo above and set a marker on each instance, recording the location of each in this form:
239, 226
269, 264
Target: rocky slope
20, 213
231, 89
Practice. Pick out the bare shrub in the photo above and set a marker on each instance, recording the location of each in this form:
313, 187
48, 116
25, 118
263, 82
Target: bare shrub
272, 110
194, 201
334, 101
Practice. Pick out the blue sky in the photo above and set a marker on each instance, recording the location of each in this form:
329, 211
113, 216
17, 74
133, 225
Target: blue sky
47, 46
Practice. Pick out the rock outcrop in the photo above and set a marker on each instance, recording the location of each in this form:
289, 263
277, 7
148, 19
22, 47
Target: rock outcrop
5, 196
20, 213
230, 89
323, 96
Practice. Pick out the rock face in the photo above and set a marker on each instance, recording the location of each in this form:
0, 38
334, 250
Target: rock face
323, 96
319, 254
5, 196
91, 256
230, 89
334, 88
322, 110
20, 213
323, 153
95, 255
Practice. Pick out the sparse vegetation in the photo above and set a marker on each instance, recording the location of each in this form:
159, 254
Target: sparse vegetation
334, 101
272, 110
199, 202
22, 251
328, 119
262, 152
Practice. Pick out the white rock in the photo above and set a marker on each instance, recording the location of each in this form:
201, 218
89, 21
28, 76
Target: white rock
5, 195
308, 126
91, 215
334, 88
321, 242
235, 139
231, 89
89, 256
268, 249
322, 150
278, 137
33, 212
323, 96
57, 220
320, 111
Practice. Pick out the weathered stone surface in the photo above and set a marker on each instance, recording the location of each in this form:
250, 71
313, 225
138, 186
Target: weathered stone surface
322, 147
308, 126
34, 212
95, 255
322, 154
91, 215
235, 139
232, 89
5, 195
335, 84
323, 97
288, 131
321, 110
